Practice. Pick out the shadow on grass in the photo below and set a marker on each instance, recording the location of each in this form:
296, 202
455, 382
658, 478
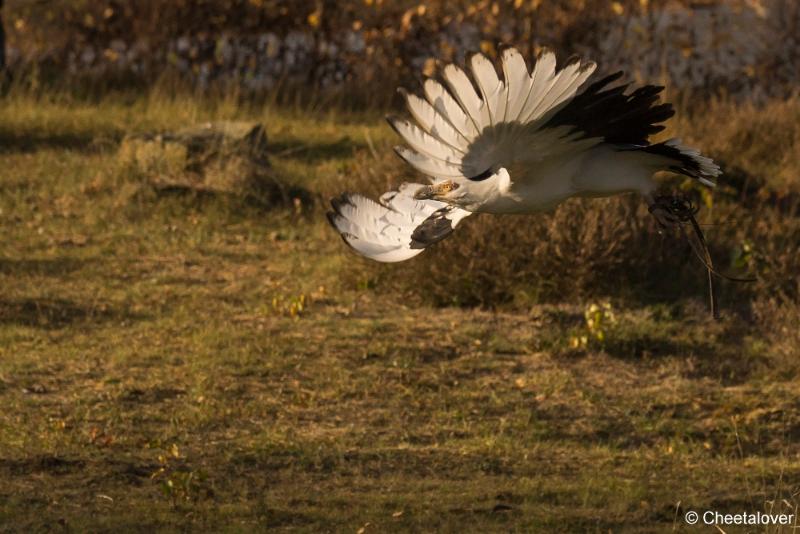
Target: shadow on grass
719, 350
728, 361
315, 152
53, 465
32, 142
49, 267
151, 395
122, 469
57, 313
277, 517
656, 346
262, 198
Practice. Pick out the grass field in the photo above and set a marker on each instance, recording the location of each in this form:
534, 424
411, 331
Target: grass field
186, 362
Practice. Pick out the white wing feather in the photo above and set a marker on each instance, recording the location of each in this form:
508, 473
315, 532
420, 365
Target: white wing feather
425, 143
492, 89
435, 168
384, 232
433, 122
518, 83
501, 126
444, 103
463, 91
541, 81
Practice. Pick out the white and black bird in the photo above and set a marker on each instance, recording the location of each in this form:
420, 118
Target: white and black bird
522, 143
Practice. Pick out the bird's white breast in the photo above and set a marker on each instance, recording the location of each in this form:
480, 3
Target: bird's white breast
534, 189
600, 171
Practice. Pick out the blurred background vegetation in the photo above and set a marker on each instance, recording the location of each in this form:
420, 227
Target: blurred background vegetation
742, 47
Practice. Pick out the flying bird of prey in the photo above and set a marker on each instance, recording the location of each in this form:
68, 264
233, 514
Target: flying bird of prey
520, 143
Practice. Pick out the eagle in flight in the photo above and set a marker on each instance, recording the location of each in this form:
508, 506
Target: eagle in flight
522, 143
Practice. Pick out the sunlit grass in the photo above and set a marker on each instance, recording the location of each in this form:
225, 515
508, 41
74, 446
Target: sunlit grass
181, 362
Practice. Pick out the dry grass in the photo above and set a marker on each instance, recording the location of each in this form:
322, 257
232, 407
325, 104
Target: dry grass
156, 372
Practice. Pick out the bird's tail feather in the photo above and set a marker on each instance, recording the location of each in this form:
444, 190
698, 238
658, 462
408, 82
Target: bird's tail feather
686, 160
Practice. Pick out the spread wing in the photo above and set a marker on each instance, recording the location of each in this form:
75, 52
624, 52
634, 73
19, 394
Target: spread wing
396, 229
466, 127
459, 131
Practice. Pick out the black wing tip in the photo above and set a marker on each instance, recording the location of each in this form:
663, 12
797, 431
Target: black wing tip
608, 79
342, 199
471, 54
393, 121
502, 48
399, 150
607, 109
694, 166
544, 50
571, 60
336, 214
649, 90
668, 110
432, 230
589, 64
331, 216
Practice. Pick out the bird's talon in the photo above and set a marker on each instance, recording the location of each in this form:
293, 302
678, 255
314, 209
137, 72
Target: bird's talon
671, 211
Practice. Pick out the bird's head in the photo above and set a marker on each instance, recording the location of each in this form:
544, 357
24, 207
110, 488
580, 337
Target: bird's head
470, 192
441, 191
